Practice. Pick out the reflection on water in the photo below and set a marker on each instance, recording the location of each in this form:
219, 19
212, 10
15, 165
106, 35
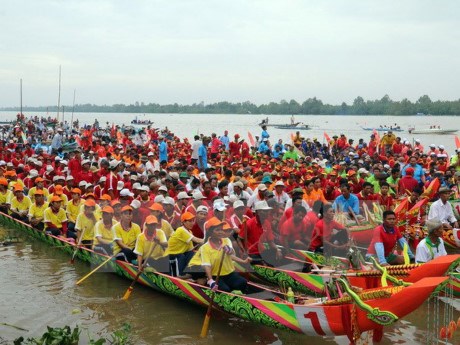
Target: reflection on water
38, 289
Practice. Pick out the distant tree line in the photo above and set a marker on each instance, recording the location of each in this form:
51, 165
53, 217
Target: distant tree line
383, 106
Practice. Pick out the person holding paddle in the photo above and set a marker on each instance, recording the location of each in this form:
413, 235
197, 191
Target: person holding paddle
55, 217
125, 235
152, 241
37, 210
210, 255
85, 224
103, 232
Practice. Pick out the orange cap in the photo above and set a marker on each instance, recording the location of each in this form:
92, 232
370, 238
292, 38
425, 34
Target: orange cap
351, 172
76, 191
157, 207
58, 189
3, 181
151, 220
106, 197
39, 179
115, 202
90, 203
39, 192
213, 222
55, 198
18, 188
126, 208
186, 216
91, 195
107, 209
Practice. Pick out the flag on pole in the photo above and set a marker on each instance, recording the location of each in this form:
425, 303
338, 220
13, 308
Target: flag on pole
457, 142
327, 137
251, 139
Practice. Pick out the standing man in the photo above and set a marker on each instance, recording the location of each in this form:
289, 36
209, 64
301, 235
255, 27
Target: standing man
195, 147
56, 143
203, 154
163, 150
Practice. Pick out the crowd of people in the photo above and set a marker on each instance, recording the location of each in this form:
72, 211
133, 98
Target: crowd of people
150, 197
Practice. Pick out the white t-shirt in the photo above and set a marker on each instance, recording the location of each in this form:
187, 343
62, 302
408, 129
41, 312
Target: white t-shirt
427, 253
195, 146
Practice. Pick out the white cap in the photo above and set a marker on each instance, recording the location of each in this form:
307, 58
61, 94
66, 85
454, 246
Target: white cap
363, 171
135, 204
441, 147
197, 195
136, 185
406, 142
103, 179
238, 203
183, 195
150, 154
39, 163
145, 188
57, 158
120, 185
168, 200
174, 175
262, 187
125, 172
33, 173
159, 198
432, 145
202, 208
126, 192
261, 205
49, 168
219, 205
85, 161
64, 162
114, 163
68, 178
279, 183
82, 184
89, 185
163, 188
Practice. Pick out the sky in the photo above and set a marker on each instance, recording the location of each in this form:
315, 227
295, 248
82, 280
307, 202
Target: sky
189, 51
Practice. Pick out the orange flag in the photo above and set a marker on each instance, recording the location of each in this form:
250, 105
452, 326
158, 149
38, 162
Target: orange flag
457, 141
327, 137
251, 139
416, 208
401, 208
432, 189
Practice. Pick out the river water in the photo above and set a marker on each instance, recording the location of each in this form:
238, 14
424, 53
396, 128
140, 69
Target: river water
37, 288
187, 125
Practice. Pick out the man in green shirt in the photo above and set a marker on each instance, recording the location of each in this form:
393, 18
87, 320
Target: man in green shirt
291, 154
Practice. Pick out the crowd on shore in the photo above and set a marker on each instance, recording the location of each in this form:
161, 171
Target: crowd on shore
150, 195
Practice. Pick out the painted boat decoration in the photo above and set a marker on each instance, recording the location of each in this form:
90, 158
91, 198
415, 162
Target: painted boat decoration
356, 313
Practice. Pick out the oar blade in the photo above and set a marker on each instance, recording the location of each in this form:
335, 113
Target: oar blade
127, 294
205, 328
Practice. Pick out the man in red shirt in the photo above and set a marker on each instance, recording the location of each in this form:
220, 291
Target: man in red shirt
257, 232
384, 240
112, 179
407, 183
296, 231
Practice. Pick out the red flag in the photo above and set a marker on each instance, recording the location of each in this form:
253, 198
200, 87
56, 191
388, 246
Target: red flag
416, 208
457, 141
377, 136
113, 131
327, 137
251, 139
401, 208
432, 189
293, 137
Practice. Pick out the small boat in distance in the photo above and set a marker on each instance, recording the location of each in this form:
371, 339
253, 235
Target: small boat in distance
140, 122
384, 128
431, 130
297, 125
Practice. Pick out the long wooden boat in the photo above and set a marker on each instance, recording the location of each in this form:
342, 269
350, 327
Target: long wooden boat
432, 131
370, 310
382, 129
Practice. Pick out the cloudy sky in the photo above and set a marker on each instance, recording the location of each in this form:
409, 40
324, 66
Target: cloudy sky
188, 51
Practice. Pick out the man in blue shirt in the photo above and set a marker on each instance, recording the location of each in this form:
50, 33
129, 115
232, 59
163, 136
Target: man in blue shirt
162, 149
224, 139
346, 201
203, 154
418, 170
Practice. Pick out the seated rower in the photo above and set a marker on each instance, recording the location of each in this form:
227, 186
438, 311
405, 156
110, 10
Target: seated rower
210, 255
151, 245
180, 245
431, 246
295, 232
384, 240
125, 235
73, 210
37, 210
5, 195
19, 206
85, 224
328, 235
103, 232
55, 218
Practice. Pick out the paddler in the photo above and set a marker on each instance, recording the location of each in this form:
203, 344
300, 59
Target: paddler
152, 241
5, 195
180, 245
85, 224
55, 218
19, 205
125, 235
37, 210
384, 240
103, 232
73, 210
209, 257
431, 246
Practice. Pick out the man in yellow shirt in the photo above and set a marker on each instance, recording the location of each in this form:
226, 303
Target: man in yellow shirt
5, 195
19, 207
125, 235
151, 245
55, 218
180, 245
85, 224
39, 185
73, 210
158, 211
37, 210
103, 232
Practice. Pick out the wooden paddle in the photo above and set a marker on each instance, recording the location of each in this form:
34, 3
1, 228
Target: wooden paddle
98, 267
207, 318
72, 260
131, 287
